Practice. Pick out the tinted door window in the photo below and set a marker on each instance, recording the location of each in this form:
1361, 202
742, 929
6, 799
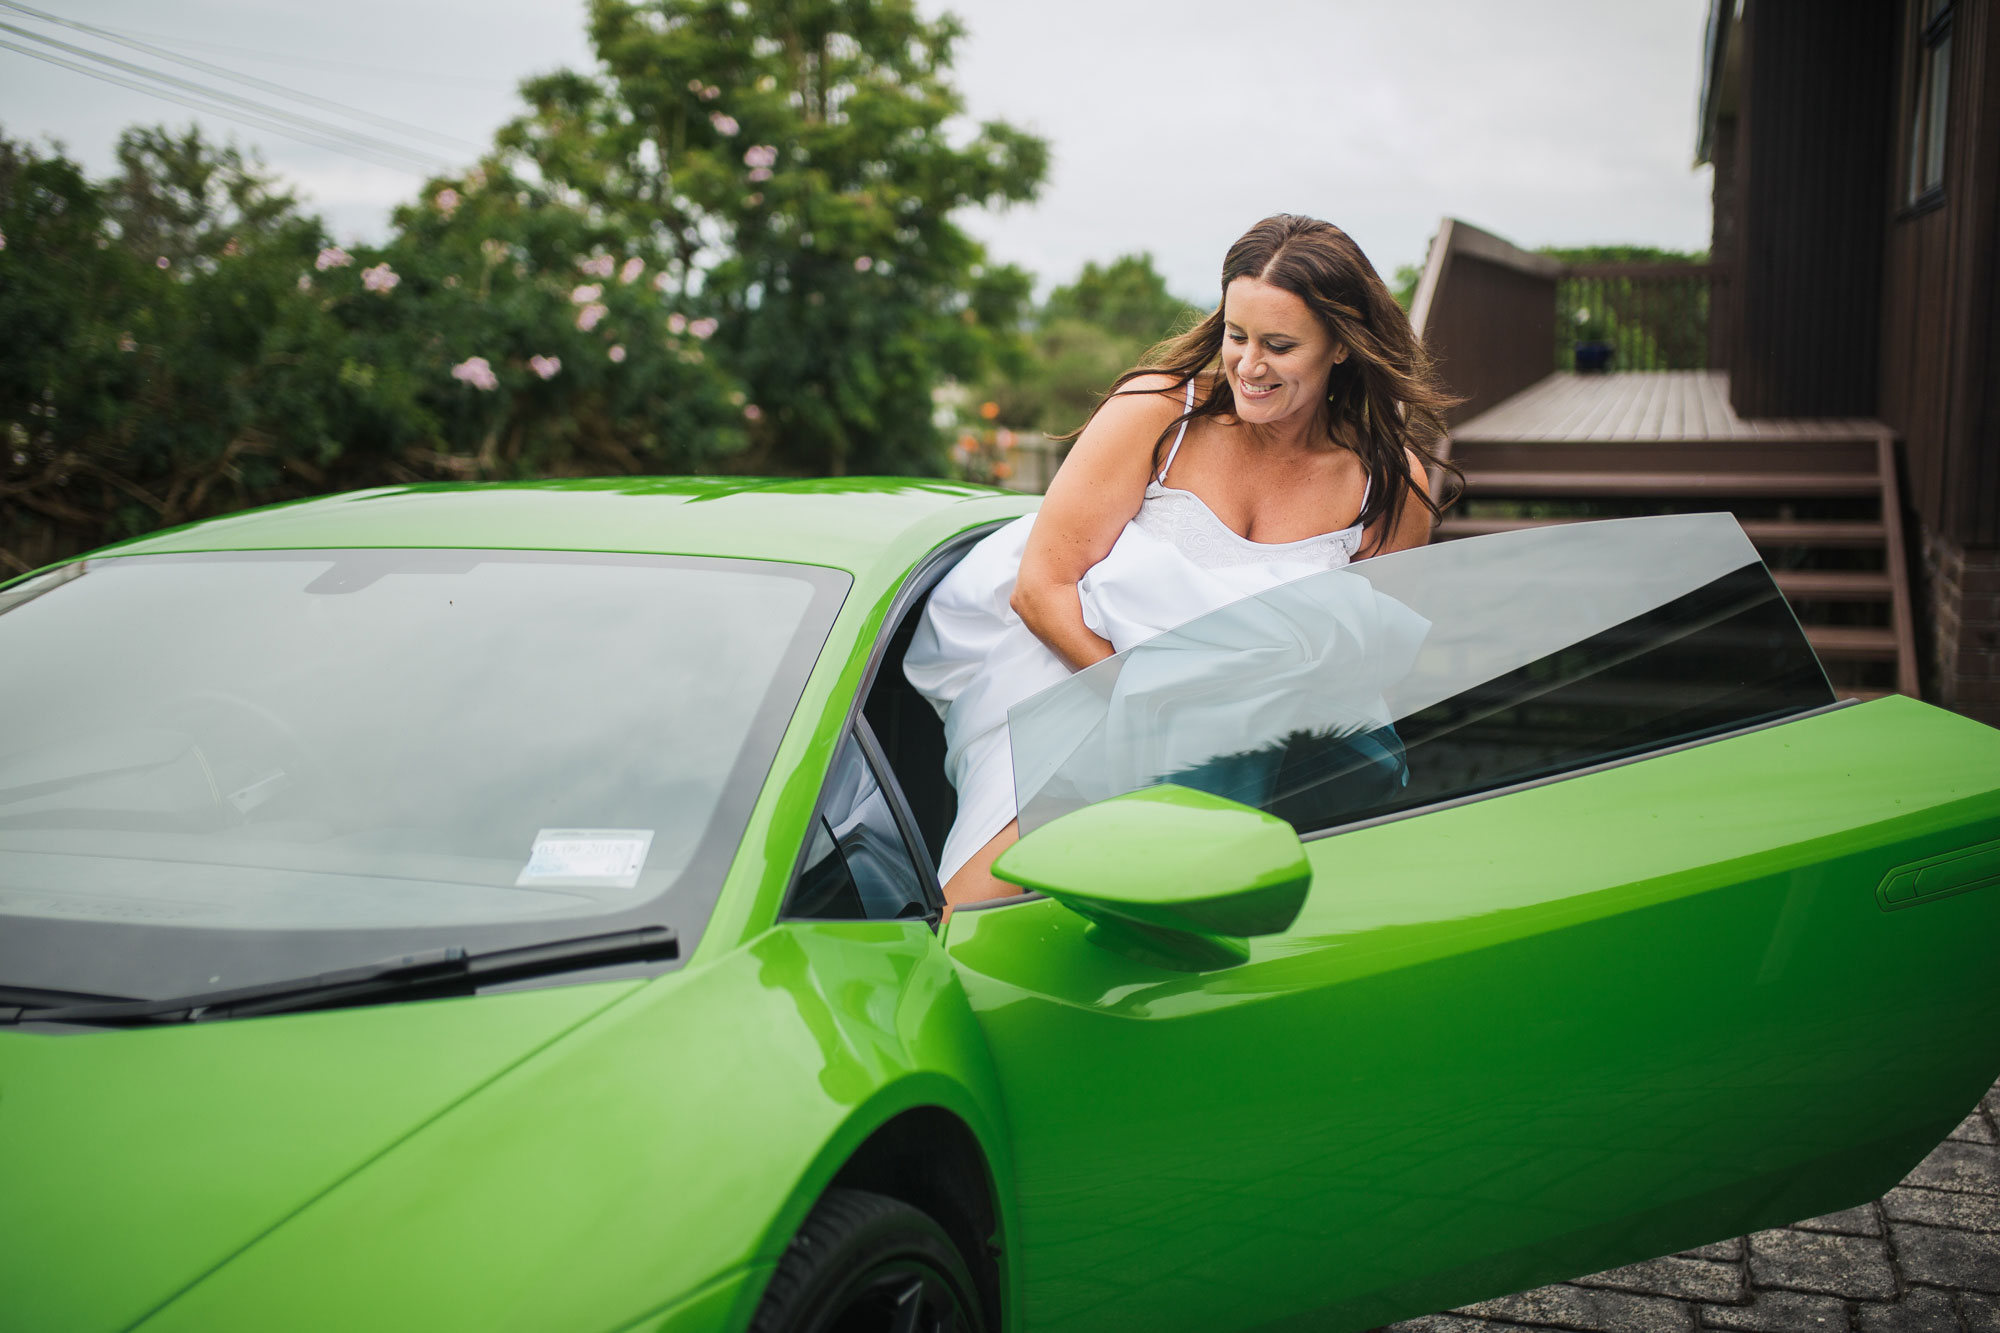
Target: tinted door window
858, 865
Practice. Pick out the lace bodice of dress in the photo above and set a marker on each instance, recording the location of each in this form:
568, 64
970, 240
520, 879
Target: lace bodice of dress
1182, 520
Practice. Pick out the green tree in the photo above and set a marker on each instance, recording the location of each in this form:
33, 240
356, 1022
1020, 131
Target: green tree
787, 164
1128, 297
179, 340
1085, 335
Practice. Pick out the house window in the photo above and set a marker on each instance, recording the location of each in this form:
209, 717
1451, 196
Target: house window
1931, 99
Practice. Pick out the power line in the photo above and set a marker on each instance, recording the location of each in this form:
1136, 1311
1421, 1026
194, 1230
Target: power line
199, 104
262, 85
306, 62
353, 138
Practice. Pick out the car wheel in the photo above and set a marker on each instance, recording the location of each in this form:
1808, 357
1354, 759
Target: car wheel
866, 1263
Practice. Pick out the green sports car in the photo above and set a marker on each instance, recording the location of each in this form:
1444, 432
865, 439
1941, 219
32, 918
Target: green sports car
513, 908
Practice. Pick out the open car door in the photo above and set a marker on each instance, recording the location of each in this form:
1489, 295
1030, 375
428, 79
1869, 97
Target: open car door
1623, 935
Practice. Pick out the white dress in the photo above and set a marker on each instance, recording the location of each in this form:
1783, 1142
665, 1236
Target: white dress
973, 658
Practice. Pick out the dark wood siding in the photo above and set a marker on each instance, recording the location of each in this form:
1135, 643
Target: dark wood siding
1812, 158
1477, 366
1723, 317
1941, 293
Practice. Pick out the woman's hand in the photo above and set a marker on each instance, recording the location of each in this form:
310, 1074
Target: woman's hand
1092, 497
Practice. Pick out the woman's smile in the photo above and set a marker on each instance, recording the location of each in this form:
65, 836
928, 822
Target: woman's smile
1273, 350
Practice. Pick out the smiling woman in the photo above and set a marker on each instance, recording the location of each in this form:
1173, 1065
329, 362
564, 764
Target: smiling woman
1296, 423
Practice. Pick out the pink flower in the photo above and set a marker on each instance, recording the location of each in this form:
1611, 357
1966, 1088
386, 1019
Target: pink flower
446, 201
617, 353
587, 293
724, 123
760, 155
545, 366
752, 412
163, 262
381, 278
703, 328
598, 266
332, 257
660, 281
632, 269
760, 173
677, 323
710, 93
587, 318
863, 264
475, 371
694, 86
3, 240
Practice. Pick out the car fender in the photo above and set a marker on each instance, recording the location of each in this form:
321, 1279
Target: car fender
672, 1142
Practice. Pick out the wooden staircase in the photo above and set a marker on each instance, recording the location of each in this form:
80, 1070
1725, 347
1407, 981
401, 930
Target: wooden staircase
1818, 499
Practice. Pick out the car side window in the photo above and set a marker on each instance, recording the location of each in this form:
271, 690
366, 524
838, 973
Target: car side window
858, 865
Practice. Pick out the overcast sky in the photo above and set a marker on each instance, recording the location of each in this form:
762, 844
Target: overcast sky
1174, 124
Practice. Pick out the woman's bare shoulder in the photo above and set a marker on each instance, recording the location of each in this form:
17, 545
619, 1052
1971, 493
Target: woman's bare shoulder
1143, 404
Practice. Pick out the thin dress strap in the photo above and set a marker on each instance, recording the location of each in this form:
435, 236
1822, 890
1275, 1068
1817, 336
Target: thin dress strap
1179, 435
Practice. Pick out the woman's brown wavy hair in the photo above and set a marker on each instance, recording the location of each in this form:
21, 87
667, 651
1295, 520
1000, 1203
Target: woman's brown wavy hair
1383, 399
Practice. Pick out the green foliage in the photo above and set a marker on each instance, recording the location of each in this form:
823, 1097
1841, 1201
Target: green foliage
1622, 254
179, 340
1652, 321
1127, 297
789, 166
1404, 286
1087, 334
730, 246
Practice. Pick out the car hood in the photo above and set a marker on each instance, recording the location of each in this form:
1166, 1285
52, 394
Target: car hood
136, 1162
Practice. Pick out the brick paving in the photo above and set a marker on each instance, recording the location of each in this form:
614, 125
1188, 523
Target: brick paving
1924, 1258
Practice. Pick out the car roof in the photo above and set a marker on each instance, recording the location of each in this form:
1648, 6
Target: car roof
858, 524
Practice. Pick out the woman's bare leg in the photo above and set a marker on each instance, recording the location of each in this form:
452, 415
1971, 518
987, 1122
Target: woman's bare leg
974, 882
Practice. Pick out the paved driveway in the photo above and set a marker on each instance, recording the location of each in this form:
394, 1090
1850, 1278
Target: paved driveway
1924, 1258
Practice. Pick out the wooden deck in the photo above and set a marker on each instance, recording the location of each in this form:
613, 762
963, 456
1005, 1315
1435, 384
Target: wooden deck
1818, 496
1660, 405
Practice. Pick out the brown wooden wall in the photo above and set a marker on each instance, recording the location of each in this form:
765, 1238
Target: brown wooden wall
1487, 312
1940, 364
1811, 157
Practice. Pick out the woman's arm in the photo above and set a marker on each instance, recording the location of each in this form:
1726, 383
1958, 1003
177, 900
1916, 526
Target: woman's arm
1413, 525
1093, 495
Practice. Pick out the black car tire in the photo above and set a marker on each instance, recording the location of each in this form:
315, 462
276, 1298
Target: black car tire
866, 1263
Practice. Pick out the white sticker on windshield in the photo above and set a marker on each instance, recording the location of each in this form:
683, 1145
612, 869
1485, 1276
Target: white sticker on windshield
586, 858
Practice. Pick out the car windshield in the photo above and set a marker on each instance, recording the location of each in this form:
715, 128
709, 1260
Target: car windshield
223, 769
1433, 674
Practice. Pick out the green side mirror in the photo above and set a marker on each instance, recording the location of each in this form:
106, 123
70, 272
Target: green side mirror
1179, 875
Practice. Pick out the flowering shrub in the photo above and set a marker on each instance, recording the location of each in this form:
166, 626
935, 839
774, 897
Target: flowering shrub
475, 371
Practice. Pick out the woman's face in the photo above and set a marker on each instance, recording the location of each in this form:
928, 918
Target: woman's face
1275, 352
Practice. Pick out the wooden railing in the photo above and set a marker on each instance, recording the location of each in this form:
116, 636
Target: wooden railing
1647, 316
1498, 318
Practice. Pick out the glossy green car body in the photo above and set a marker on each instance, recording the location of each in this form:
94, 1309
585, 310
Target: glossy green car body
1499, 1043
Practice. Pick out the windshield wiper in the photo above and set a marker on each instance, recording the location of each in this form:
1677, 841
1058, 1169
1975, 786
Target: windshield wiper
448, 971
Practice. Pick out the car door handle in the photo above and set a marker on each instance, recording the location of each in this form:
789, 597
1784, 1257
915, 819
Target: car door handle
1940, 877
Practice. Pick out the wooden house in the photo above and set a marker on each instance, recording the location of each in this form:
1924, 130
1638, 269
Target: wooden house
1832, 374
